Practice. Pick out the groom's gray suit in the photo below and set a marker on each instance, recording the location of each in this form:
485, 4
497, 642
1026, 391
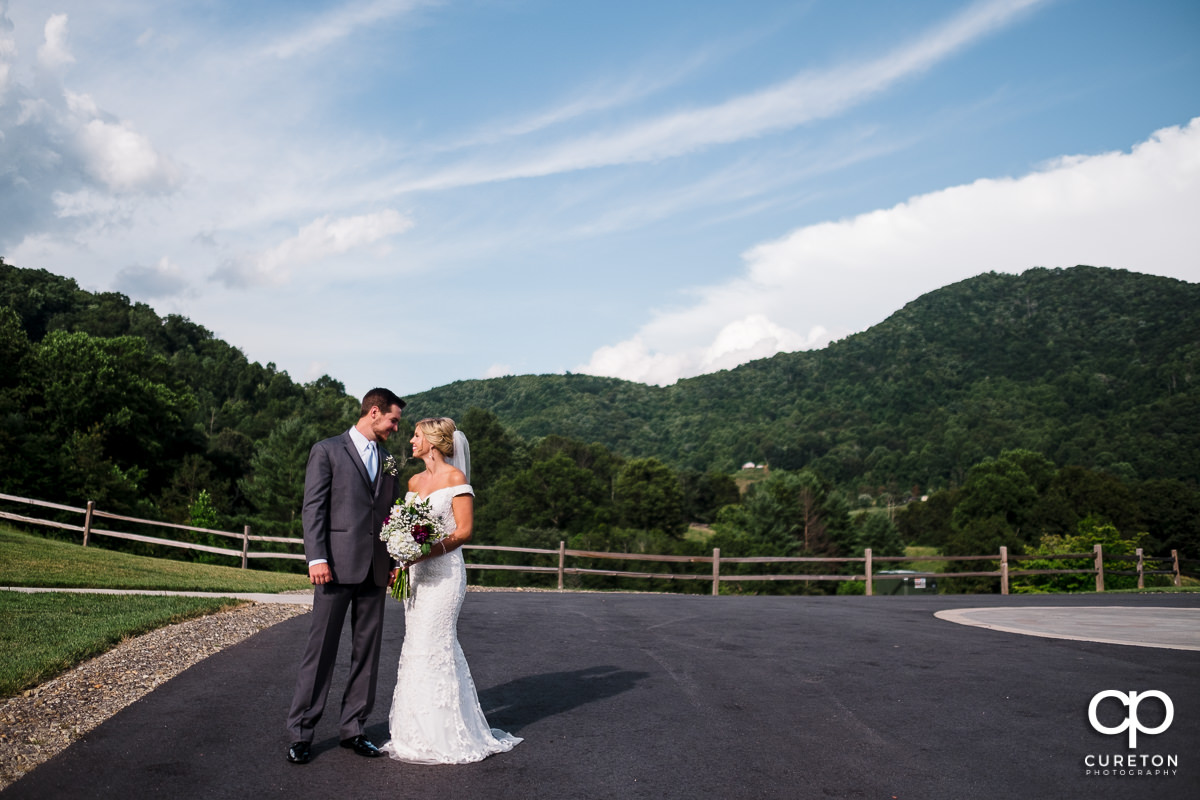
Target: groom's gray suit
343, 513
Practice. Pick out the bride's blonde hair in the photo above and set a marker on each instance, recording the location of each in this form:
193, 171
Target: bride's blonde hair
439, 432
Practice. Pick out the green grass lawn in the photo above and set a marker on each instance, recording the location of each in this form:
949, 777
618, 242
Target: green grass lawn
45, 634
29, 560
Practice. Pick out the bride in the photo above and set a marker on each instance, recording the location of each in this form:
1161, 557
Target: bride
435, 716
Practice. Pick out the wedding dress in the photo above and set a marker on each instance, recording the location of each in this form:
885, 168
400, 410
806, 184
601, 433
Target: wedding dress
435, 716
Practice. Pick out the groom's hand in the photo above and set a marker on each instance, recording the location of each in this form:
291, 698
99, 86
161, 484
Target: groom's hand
395, 572
319, 574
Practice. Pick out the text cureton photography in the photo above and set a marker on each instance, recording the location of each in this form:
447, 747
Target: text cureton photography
1124, 709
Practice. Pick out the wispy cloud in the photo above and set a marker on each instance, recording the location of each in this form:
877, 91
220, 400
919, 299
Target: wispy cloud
585, 102
807, 97
339, 24
319, 239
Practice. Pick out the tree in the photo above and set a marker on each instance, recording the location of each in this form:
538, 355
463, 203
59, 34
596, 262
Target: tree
194, 476
879, 533
18, 465
87, 474
114, 389
1005, 489
929, 522
554, 493
1169, 510
647, 496
705, 493
789, 513
275, 484
1075, 493
493, 450
203, 512
1092, 530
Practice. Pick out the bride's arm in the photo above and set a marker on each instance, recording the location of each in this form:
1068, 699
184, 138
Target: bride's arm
464, 526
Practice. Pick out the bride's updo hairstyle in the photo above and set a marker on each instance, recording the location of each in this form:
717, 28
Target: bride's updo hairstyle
439, 432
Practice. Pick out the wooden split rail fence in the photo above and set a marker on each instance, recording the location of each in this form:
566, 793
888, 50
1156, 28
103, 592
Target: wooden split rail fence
869, 562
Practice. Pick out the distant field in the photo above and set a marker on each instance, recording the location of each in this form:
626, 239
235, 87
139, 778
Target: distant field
914, 551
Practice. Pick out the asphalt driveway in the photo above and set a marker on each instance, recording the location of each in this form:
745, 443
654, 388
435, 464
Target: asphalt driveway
642, 695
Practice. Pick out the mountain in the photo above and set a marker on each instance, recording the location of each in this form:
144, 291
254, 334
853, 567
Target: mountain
1091, 366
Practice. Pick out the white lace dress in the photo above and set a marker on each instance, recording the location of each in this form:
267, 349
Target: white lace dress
435, 716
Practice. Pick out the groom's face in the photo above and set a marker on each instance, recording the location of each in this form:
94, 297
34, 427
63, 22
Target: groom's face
384, 423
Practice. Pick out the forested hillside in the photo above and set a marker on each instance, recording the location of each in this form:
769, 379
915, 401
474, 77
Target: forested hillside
1046, 412
101, 399
1093, 367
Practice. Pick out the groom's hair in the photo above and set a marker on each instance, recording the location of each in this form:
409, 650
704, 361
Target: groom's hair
380, 398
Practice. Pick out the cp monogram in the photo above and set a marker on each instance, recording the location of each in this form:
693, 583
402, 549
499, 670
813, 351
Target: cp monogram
1131, 723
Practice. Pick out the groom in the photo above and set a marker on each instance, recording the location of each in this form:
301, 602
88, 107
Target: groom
348, 490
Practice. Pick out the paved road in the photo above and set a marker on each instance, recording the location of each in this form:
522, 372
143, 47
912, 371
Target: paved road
632, 696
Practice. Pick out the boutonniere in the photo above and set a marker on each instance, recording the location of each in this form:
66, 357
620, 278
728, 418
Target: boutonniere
389, 465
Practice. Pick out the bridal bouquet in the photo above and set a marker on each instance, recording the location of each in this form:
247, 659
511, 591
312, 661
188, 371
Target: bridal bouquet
410, 530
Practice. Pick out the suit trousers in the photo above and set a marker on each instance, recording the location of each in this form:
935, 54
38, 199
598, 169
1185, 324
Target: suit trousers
331, 601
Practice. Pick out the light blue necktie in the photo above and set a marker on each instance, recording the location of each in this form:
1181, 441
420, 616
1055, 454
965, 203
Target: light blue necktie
371, 458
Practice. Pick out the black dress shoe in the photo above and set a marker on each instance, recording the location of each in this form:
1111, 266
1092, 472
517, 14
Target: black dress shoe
300, 753
362, 746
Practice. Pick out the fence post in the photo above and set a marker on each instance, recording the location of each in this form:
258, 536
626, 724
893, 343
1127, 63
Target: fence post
1099, 550
562, 562
716, 590
87, 521
245, 544
870, 572
1003, 569
1175, 558
1141, 573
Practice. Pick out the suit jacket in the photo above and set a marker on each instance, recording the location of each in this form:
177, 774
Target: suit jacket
344, 511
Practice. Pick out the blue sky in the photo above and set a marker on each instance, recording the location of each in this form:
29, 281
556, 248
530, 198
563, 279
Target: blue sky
411, 192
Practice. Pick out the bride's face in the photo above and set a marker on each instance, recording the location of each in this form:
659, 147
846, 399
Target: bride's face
420, 444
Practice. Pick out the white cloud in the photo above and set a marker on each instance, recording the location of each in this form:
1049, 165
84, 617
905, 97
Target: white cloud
321, 238
634, 360
498, 371
123, 159
54, 54
754, 337
67, 163
1131, 210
